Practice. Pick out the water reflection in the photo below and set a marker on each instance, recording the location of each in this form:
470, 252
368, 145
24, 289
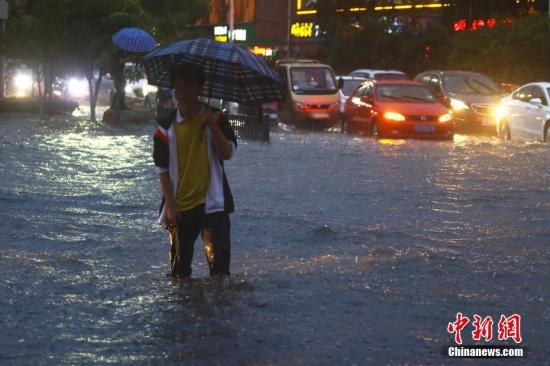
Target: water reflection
339, 243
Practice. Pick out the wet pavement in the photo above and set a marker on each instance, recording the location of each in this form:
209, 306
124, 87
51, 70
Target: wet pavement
346, 250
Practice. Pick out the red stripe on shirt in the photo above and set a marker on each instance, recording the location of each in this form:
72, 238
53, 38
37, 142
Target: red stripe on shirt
161, 135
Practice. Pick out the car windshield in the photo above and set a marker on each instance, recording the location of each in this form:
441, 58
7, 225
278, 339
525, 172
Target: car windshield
312, 80
405, 94
360, 74
390, 76
470, 84
350, 85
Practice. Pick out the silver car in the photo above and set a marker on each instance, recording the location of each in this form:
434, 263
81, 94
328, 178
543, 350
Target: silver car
472, 97
379, 74
525, 113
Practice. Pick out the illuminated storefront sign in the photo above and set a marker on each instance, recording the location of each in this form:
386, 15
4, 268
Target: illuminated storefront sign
302, 30
262, 51
220, 30
305, 30
462, 25
239, 35
305, 7
222, 34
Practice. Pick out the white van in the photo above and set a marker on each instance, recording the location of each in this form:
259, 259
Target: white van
311, 93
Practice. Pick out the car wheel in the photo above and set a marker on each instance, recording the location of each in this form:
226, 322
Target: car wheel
546, 137
374, 131
504, 131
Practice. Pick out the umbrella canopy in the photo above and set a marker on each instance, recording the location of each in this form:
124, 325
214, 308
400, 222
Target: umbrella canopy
231, 72
134, 40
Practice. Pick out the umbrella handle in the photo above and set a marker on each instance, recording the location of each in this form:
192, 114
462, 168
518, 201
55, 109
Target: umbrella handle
211, 86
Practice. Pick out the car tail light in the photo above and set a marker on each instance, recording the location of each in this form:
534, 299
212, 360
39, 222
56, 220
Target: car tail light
299, 107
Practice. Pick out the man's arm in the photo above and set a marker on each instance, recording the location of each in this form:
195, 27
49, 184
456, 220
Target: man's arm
162, 159
222, 145
166, 187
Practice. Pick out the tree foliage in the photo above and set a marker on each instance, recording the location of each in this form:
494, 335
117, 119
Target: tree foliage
171, 20
515, 53
64, 37
373, 42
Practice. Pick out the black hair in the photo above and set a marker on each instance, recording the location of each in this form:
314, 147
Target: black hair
191, 73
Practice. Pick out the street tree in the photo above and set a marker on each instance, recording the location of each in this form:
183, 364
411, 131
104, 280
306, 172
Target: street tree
173, 20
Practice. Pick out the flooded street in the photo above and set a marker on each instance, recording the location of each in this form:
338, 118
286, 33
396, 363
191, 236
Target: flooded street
346, 250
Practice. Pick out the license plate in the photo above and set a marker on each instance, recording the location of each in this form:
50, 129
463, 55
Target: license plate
424, 128
319, 116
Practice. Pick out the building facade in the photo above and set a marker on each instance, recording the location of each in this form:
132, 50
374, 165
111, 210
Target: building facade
269, 27
259, 25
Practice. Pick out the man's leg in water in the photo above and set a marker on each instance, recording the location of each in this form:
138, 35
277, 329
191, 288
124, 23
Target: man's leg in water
189, 227
217, 242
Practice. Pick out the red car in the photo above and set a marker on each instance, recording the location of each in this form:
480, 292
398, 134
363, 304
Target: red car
397, 108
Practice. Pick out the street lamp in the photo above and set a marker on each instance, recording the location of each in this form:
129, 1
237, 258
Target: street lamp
231, 21
3, 17
289, 22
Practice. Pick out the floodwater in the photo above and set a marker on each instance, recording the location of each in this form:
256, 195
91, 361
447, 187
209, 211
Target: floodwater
346, 250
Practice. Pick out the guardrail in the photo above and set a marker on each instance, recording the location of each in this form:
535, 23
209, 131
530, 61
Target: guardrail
245, 126
250, 127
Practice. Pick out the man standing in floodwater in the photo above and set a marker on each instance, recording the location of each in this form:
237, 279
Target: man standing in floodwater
190, 146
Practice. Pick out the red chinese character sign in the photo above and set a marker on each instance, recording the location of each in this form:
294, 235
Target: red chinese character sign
457, 326
478, 23
508, 328
483, 328
462, 25
491, 22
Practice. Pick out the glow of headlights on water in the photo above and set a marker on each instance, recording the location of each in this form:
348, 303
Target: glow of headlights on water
390, 142
100, 154
460, 138
120, 145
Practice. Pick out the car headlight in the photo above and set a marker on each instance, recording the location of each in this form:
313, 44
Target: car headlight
458, 105
445, 118
77, 87
149, 89
22, 83
392, 116
499, 112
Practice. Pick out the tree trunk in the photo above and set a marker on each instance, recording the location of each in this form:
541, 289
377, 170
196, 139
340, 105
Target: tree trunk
89, 76
48, 81
96, 91
41, 96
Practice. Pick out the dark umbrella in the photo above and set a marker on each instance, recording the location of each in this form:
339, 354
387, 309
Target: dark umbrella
134, 40
231, 72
